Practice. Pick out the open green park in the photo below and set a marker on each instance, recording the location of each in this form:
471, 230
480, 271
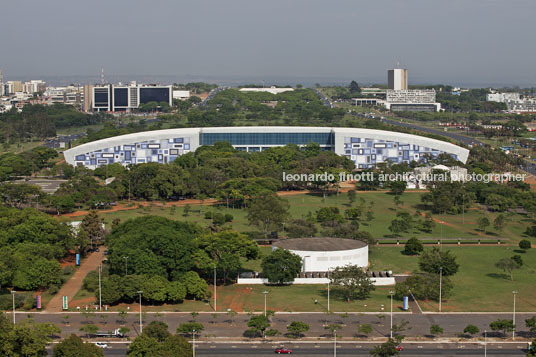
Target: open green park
478, 285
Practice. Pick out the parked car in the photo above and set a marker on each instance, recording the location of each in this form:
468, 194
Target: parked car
399, 348
101, 344
283, 350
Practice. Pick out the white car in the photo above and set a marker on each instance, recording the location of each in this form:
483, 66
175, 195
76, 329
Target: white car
101, 344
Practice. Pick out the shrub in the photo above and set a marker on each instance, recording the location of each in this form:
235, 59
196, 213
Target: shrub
218, 219
524, 244
69, 269
228, 217
413, 246
91, 281
208, 215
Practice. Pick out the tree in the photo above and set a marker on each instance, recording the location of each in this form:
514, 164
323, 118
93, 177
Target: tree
424, 286
436, 330
532, 349
351, 197
258, 324
354, 88
386, 349
508, 265
432, 261
73, 346
176, 291
296, 328
351, 282
502, 325
397, 187
281, 266
471, 329
89, 329
26, 338
531, 324
333, 327
499, 222
268, 212
413, 246
524, 244
483, 223
196, 287
188, 328
428, 224
92, 225
365, 329
157, 330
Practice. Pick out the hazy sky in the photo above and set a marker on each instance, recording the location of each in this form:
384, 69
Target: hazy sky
449, 41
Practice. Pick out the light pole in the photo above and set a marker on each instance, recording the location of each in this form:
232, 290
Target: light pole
126, 265
391, 293
141, 323
13, 295
440, 286
485, 343
265, 292
335, 343
215, 301
328, 291
100, 291
514, 316
193, 343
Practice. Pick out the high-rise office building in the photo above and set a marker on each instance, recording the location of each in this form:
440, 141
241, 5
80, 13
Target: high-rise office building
123, 98
397, 79
88, 97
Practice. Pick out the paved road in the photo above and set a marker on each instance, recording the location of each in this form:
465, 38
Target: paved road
343, 349
225, 326
467, 140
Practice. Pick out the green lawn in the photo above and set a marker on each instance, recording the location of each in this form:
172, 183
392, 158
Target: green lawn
456, 226
479, 285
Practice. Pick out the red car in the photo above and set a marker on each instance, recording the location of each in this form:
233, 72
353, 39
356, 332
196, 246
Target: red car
283, 350
399, 348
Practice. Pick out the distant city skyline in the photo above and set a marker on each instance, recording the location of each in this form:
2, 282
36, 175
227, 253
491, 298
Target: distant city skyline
476, 43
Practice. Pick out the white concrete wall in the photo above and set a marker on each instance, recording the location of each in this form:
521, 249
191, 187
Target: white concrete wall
329, 260
258, 281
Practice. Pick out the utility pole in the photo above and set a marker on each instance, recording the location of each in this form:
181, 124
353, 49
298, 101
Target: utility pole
100, 291
391, 293
514, 316
141, 322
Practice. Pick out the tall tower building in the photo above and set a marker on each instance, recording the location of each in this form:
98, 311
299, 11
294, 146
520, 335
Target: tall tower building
397, 79
88, 97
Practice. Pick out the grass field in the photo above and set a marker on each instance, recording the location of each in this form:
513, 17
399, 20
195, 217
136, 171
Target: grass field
381, 203
478, 286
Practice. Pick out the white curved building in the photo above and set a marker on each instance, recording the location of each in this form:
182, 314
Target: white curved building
325, 254
365, 147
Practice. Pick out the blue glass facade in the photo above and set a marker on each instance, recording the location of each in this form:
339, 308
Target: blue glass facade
257, 139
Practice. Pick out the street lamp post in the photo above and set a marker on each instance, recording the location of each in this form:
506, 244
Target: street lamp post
13, 295
193, 343
335, 343
485, 343
265, 292
100, 291
215, 301
141, 322
391, 293
126, 265
440, 286
328, 291
514, 316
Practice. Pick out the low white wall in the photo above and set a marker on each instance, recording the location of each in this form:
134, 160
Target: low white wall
253, 281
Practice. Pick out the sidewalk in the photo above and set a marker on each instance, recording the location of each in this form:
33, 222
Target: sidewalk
71, 287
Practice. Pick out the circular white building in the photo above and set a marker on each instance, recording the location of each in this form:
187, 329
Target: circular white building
323, 254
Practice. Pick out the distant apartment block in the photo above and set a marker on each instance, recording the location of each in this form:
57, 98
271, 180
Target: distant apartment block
412, 100
503, 97
273, 90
